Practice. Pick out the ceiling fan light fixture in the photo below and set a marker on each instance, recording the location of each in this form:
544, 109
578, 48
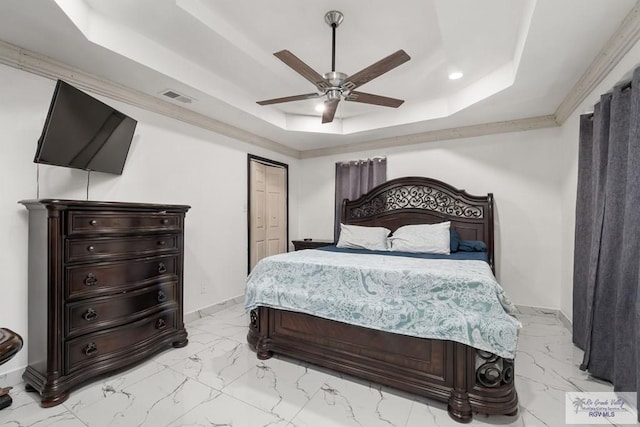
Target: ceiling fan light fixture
320, 108
333, 94
455, 75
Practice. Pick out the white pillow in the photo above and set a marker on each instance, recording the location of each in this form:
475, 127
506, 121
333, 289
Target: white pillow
422, 238
358, 237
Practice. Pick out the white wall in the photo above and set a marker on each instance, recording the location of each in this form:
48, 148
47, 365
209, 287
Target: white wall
569, 179
169, 162
521, 169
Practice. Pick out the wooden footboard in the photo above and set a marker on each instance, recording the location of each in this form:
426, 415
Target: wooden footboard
468, 380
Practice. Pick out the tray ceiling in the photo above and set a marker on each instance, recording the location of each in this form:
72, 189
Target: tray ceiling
520, 58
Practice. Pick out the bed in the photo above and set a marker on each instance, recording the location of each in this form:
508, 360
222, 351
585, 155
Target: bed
466, 378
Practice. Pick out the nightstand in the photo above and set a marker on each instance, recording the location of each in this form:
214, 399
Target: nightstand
311, 244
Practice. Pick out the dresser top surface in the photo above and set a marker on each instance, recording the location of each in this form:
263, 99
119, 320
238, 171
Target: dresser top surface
102, 205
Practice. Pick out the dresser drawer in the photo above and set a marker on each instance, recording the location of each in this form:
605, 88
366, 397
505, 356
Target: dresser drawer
108, 311
94, 280
99, 347
79, 222
105, 248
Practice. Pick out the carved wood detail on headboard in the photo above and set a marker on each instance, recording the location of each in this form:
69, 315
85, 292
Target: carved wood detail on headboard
417, 197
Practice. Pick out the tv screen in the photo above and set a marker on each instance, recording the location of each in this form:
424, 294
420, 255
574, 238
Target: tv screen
84, 133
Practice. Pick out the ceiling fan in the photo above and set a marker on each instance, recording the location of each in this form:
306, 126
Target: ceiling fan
336, 85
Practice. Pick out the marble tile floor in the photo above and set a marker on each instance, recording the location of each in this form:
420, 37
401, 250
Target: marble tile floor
217, 381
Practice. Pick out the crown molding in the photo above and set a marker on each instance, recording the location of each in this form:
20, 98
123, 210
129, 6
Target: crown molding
519, 125
617, 46
625, 37
44, 66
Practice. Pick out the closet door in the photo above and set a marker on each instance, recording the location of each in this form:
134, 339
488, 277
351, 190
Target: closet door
267, 210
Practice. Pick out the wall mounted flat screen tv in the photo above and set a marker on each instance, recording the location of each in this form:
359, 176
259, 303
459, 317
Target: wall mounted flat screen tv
84, 133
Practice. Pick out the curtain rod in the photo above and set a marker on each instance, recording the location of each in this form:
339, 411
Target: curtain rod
378, 158
623, 87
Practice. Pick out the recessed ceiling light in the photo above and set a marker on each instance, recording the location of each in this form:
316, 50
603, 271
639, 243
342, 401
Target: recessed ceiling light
455, 75
320, 108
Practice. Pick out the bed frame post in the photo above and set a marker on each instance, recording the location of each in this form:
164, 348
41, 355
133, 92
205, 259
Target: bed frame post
493, 390
258, 333
459, 407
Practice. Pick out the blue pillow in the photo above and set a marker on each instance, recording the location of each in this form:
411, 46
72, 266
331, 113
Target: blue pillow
472, 246
454, 240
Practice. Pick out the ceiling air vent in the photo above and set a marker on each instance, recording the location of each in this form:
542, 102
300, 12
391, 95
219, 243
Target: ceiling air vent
169, 93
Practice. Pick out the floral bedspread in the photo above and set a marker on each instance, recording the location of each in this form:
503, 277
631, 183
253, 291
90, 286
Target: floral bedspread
429, 298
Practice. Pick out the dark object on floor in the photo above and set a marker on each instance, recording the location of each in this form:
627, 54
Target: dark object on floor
5, 399
10, 344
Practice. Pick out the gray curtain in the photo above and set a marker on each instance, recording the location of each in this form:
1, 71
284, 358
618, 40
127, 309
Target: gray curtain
585, 209
355, 178
606, 286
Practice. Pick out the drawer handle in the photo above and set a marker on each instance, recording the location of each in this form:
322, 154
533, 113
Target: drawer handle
90, 315
91, 349
91, 280
161, 324
164, 221
93, 222
162, 297
162, 268
162, 243
91, 248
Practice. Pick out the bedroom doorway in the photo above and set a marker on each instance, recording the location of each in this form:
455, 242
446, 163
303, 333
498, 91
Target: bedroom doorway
267, 213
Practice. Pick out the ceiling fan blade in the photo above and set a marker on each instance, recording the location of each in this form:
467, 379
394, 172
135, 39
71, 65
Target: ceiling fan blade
289, 98
375, 70
329, 112
367, 98
303, 69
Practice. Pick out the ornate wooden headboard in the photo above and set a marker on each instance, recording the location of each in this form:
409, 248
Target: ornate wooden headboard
418, 200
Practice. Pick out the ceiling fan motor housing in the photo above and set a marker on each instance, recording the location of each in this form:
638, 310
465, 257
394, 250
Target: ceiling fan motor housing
335, 78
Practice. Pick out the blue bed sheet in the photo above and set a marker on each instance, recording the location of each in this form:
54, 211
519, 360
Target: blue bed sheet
460, 256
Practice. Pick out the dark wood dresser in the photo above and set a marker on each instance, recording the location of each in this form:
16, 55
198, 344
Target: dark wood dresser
105, 289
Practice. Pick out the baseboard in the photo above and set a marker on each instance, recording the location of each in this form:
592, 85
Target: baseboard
524, 309
11, 378
209, 310
565, 321
544, 311
537, 311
